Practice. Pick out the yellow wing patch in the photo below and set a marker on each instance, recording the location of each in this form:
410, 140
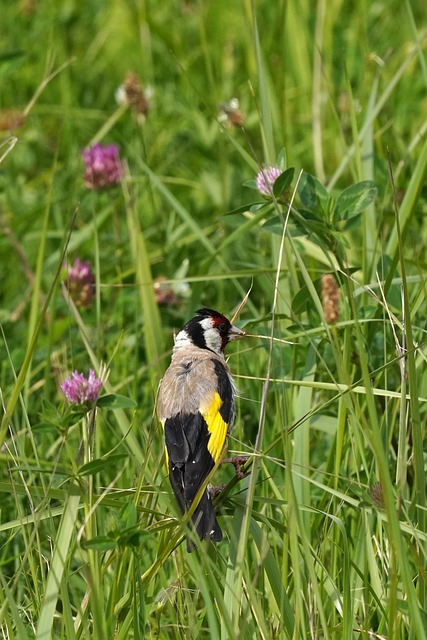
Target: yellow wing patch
166, 450
217, 427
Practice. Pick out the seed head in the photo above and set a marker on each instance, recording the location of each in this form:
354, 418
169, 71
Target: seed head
230, 114
330, 299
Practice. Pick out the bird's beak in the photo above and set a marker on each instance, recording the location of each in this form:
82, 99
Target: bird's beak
235, 333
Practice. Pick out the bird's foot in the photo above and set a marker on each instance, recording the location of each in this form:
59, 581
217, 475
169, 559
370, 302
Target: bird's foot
214, 491
238, 462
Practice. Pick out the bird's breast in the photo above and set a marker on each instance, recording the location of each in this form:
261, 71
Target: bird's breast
188, 384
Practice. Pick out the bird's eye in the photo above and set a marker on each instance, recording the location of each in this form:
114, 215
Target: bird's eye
222, 327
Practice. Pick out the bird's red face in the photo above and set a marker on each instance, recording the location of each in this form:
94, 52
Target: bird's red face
226, 330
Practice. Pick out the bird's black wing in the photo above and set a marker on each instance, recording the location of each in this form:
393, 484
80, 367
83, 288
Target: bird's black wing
190, 461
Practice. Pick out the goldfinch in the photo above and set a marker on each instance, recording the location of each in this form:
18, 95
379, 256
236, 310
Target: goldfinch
196, 407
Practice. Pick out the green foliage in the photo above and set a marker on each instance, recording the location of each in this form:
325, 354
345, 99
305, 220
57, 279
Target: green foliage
326, 536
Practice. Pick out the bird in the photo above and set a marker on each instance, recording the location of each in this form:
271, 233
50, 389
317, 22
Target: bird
196, 406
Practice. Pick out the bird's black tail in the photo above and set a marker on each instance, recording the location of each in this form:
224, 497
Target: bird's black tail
204, 519
205, 522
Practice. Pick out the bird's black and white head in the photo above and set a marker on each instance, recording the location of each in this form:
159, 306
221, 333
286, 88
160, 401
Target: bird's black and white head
209, 329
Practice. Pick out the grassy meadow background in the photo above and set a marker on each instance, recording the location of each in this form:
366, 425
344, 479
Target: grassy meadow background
326, 537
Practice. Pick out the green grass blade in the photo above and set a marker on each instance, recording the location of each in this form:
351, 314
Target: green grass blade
57, 567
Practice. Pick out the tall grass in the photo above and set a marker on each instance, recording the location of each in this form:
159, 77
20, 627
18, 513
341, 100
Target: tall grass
326, 536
